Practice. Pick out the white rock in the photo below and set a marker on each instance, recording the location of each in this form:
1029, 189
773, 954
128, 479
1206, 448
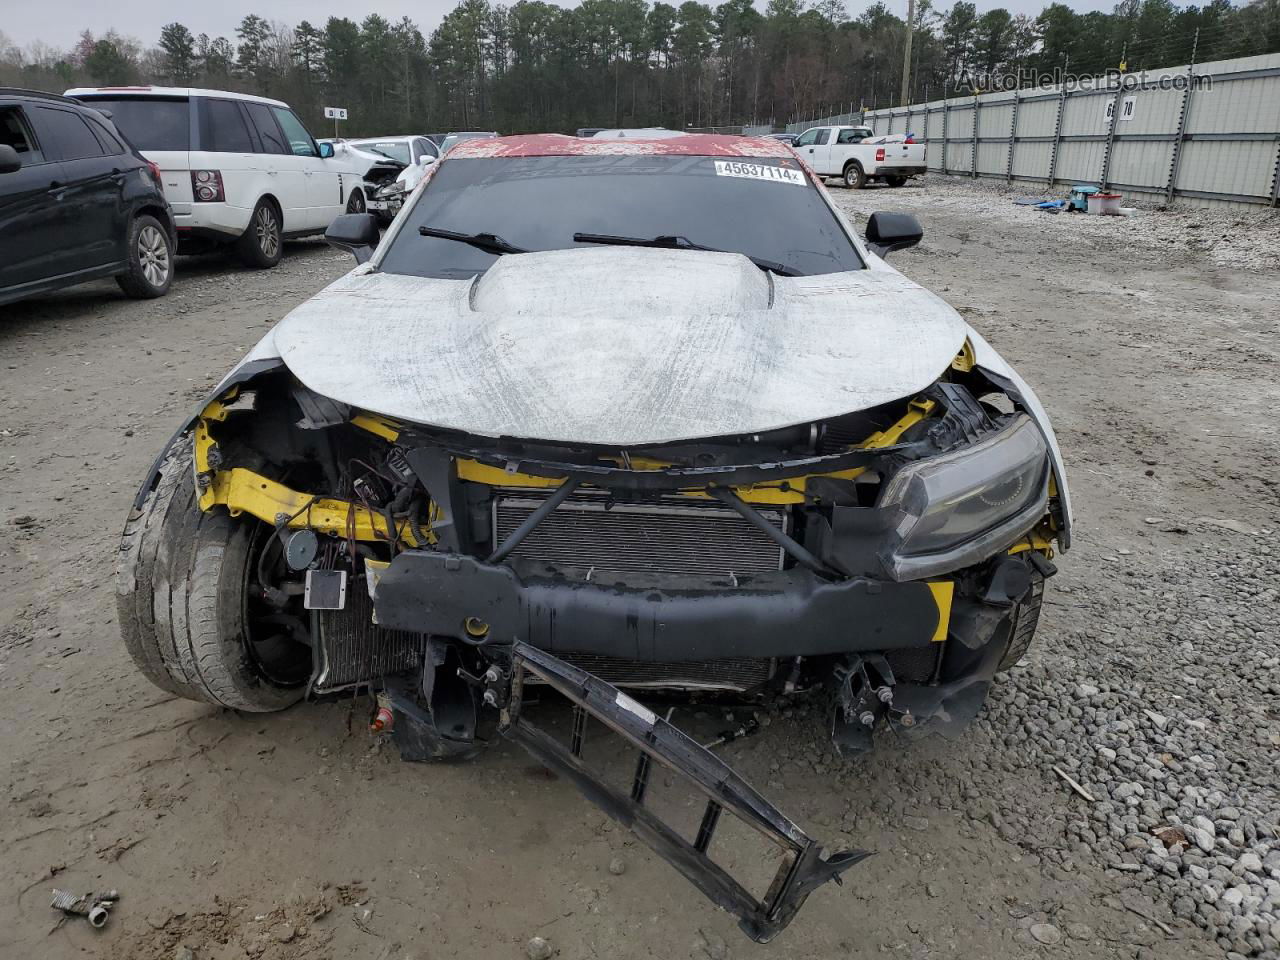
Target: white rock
1159, 719
1046, 933
1203, 839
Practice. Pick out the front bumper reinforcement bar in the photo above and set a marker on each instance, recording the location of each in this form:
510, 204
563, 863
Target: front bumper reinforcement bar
803, 867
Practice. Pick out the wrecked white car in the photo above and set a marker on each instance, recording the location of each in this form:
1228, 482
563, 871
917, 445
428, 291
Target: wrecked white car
602, 414
387, 189
384, 167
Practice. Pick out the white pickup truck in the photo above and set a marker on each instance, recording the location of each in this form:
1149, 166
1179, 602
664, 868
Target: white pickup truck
840, 152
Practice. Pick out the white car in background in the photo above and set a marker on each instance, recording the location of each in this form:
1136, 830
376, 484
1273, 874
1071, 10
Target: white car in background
400, 163
236, 169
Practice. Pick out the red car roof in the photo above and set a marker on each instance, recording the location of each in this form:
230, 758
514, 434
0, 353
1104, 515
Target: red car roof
559, 145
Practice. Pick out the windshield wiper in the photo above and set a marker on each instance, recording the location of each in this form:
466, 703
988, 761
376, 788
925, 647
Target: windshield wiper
670, 242
487, 242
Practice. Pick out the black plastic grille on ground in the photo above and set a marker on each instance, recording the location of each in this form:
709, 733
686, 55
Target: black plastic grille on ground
803, 868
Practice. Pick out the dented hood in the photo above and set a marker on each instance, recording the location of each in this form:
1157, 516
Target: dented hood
620, 346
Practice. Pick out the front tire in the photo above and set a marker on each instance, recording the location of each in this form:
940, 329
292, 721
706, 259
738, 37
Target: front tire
1026, 617
854, 178
355, 202
150, 260
262, 243
183, 579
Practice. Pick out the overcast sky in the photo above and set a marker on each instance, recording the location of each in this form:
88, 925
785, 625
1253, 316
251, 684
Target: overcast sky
59, 22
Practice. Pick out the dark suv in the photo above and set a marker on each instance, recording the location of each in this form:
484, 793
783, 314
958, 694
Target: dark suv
77, 202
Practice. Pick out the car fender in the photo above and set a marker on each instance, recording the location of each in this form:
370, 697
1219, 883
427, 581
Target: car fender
999, 370
261, 358
247, 370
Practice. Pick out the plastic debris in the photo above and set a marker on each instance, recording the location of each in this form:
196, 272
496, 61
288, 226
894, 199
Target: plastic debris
92, 906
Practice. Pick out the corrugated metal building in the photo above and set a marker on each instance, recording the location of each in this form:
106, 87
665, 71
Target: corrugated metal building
1207, 136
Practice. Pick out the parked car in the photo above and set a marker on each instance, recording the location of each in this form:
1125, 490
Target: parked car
387, 189
380, 162
601, 414
405, 150
77, 202
788, 138
373, 168
237, 169
841, 152
453, 138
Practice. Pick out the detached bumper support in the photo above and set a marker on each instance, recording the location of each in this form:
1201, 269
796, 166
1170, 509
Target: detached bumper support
803, 867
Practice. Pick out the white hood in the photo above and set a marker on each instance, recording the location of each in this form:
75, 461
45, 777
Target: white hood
620, 346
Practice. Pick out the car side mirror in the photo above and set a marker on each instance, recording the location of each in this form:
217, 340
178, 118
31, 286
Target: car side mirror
326, 151
10, 162
426, 160
887, 232
357, 233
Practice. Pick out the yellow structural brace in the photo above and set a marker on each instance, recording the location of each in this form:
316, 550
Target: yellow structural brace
243, 491
774, 492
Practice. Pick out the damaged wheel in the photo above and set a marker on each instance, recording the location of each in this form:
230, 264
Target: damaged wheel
189, 614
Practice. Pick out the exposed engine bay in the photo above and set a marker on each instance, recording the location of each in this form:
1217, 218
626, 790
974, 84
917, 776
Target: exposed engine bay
450, 575
795, 512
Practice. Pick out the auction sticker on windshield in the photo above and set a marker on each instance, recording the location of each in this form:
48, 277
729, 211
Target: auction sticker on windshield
758, 171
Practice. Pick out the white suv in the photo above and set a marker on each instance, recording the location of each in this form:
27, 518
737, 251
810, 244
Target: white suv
236, 169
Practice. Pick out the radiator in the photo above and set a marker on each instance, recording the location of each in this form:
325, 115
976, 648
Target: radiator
672, 536
355, 650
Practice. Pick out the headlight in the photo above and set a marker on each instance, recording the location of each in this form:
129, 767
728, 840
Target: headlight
963, 506
392, 189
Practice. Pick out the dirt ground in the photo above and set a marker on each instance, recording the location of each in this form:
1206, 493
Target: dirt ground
296, 835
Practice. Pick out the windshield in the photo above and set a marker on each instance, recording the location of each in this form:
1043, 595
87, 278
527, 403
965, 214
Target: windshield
388, 148
150, 123
764, 208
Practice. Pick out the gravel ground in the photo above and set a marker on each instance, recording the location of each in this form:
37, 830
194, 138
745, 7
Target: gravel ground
1160, 692
1154, 683
1238, 238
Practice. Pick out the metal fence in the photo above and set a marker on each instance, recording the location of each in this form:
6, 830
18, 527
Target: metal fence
1205, 135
